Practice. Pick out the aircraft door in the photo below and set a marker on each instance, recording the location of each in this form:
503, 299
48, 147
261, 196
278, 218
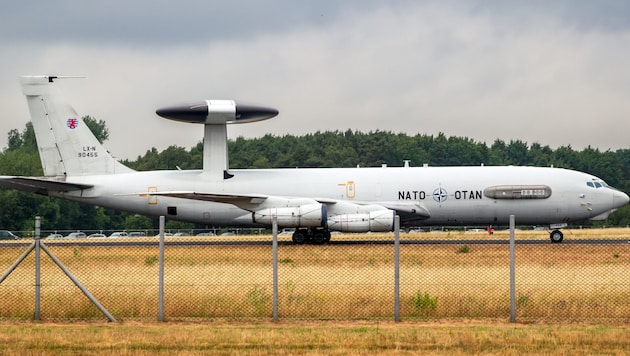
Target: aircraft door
349, 190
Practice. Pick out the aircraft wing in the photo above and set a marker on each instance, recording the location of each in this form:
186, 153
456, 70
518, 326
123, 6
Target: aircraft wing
409, 211
40, 185
235, 199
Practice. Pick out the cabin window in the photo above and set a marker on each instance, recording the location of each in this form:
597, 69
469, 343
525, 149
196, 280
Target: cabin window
171, 210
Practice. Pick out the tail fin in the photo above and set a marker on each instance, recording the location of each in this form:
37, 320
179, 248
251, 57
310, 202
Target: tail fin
66, 145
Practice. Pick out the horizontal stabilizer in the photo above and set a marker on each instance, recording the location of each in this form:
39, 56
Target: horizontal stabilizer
40, 185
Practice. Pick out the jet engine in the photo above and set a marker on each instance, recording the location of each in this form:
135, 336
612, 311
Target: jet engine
307, 215
351, 217
375, 221
312, 215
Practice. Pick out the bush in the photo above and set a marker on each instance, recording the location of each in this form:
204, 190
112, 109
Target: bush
424, 303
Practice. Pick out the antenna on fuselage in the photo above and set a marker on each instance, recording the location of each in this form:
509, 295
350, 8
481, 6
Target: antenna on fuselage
216, 115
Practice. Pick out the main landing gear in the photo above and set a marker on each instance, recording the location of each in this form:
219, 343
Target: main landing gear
314, 235
556, 236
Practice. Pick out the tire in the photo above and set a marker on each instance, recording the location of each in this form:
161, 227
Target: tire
298, 238
556, 236
319, 238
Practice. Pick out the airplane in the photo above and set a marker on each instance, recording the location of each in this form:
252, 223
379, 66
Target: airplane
314, 201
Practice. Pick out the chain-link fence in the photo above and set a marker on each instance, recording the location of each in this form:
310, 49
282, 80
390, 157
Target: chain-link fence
445, 274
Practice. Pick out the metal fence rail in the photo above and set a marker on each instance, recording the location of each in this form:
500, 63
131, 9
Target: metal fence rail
441, 275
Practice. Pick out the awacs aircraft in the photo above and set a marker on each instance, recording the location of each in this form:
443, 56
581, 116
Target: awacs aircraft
313, 201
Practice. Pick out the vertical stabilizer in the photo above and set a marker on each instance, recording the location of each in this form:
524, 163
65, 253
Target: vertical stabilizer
66, 145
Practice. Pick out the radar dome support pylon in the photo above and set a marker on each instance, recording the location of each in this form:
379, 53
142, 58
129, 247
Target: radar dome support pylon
216, 115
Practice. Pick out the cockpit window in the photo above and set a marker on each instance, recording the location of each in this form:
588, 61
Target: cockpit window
597, 184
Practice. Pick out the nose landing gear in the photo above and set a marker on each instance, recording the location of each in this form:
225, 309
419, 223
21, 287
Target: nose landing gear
556, 236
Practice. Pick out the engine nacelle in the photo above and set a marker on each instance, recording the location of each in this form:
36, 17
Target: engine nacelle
375, 221
307, 215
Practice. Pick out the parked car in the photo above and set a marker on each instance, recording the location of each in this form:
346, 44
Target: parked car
55, 236
76, 235
166, 234
136, 234
119, 234
96, 236
7, 235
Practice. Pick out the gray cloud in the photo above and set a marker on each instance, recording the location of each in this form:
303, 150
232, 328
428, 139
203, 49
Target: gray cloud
549, 73
165, 23
161, 22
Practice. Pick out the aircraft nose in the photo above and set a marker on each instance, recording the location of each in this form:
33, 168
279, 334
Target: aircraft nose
620, 198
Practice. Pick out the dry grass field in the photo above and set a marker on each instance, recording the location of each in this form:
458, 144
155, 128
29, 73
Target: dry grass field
569, 282
313, 338
333, 299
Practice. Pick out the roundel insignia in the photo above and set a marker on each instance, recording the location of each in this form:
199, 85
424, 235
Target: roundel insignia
440, 195
72, 123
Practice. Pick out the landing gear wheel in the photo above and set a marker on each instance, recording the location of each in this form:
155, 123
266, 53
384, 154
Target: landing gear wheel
556, 236
298, 238
315, 236
318, 238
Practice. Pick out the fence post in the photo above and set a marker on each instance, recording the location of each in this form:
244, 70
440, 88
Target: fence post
37, 268
397, 268
274, 231
161, 273
512, 272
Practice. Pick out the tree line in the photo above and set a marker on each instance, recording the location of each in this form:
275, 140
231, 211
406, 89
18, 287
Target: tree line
320, 149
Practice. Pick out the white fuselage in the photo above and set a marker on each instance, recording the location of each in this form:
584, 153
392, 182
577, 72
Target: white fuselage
451, 195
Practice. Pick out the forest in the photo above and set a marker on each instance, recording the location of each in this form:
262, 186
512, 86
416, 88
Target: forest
319, 149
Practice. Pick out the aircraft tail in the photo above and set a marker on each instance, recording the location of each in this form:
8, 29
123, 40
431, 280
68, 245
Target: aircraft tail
66, 145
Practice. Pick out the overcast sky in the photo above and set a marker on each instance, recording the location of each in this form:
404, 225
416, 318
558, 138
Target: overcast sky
552, 72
